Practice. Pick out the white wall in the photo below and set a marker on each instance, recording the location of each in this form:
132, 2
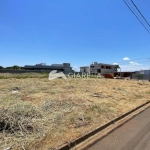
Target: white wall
85, 69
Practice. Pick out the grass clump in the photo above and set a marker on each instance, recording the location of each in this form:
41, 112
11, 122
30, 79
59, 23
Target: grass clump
102, 108
19, 119
138, 96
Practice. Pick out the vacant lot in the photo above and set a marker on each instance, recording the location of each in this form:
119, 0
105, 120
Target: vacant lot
36, 113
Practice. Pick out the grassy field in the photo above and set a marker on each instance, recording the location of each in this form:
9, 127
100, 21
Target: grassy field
36, 113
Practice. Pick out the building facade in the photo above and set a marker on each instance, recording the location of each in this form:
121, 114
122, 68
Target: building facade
142, 75
101, 68
107, 70
65, 67
85, 69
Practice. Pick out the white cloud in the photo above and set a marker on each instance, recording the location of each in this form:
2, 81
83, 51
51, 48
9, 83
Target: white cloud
115, 63
131, 67
134, 63
126, 58
76, 68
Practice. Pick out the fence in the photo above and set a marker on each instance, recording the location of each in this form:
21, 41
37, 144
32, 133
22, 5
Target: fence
22, 71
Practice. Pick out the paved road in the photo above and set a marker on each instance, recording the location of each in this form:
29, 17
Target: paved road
133, 135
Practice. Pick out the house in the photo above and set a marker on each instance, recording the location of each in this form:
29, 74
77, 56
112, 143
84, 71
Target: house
102, 68
85, 69
65, 67
95, 68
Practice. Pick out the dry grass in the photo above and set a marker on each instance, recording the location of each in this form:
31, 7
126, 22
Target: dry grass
45, 114
23, 75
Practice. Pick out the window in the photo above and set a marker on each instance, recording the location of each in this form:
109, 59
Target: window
102, 66
98, 70
106, 67
109, 67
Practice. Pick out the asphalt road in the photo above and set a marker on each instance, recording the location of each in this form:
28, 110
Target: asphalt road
133, 135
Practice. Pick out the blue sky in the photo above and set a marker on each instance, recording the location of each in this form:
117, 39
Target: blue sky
75, 31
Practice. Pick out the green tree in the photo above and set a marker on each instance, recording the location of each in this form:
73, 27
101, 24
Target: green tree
139, 76
116, 67
1, 67
15, 67
8, 67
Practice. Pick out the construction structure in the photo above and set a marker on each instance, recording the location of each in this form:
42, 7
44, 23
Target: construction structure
65, 67
85, 69
107, 70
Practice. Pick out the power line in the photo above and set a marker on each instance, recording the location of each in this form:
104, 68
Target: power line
136, 16
134, 59
140, 12
138, 59
135, 62
126, 61
133, 9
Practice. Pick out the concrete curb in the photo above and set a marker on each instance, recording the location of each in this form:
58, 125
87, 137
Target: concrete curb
94, 132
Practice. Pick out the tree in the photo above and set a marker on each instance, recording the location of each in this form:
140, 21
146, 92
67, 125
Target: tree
139, 76
116, 67
1, 67
15, 67
8, 68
